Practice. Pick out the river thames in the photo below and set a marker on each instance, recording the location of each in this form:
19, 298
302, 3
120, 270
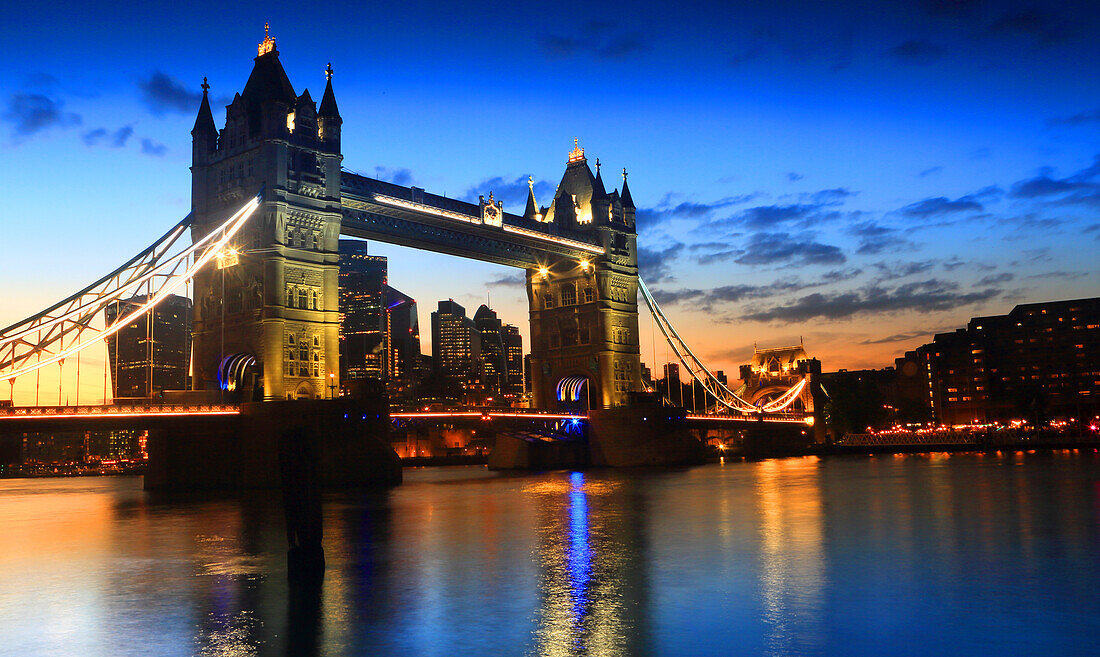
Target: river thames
964, 554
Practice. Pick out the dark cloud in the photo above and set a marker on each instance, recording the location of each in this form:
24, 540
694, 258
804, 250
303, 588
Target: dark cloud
1032, 256
150, 147
834, 196
916, 52
601, 40
895, 270
655, 265
512, 192
729, 294
1078, 187
929, 171
100, 136
924, 296
995, 279
1064, 275
900, 337
1044, 27
32, 113
1046, 186
941, 205
398, 176
875, 238
817, 208
955, 262
784, 248
666, 210
719, 256
771, 216
163, 94
794, 177
1080, 118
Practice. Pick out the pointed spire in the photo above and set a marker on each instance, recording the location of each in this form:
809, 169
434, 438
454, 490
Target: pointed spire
627, 201
531, 212
328, 100
598, 190
204, 122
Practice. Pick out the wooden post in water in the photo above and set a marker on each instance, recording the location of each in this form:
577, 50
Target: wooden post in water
301, 484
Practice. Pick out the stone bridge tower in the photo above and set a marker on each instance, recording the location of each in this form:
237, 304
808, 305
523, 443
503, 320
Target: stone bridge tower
584, 315
280, 305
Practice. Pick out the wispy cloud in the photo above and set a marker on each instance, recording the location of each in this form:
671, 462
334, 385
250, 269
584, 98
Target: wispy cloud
924, 296
155, 149
33, 113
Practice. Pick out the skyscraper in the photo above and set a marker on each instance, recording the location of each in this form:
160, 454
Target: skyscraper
152, 352
456, 349
402, 342
494, 357
363, 280
513, 347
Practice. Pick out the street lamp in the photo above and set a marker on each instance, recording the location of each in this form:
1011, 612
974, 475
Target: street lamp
332, 385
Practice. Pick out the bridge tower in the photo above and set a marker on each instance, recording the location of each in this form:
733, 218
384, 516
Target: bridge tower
584, 315
279, 338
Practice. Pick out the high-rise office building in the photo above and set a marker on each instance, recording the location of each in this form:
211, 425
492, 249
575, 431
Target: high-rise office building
456, 349
152, 352
363, 279
513, 347
494, 356
402, 342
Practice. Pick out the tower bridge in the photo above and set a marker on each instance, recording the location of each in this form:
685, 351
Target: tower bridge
270, 199
579, 251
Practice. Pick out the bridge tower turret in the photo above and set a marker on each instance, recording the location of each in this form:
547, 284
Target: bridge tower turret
584, 315
280, 286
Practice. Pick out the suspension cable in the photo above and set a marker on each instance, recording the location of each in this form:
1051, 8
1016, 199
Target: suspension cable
145, 268
699, 372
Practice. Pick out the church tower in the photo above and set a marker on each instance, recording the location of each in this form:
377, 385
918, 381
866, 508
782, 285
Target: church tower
584, 315
273, 334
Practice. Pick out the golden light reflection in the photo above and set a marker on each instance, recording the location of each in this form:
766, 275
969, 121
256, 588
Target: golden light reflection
792, 569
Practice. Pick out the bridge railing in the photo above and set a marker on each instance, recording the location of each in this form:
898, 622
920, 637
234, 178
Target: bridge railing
116, 411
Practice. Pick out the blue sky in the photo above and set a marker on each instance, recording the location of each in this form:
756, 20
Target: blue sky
860, 175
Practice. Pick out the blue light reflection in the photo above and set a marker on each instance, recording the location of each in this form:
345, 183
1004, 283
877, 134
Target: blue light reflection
578, 553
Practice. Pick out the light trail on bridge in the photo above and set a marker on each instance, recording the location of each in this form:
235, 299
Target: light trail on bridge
17, 348
487, 416
108, 412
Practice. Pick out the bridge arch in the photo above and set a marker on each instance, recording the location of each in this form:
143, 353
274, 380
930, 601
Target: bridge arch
305, 390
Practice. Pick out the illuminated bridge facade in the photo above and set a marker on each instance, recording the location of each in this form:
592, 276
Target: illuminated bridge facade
280, 311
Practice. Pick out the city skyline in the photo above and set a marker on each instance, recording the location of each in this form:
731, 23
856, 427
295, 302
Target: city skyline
857, 217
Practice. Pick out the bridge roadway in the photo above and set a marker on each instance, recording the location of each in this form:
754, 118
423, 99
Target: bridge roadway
42, 419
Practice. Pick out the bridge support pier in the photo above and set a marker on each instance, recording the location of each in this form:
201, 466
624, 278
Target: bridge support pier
632, 436
351, 439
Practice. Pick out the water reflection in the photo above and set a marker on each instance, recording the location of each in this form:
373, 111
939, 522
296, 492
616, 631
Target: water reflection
917, 555
792, 564
591, 568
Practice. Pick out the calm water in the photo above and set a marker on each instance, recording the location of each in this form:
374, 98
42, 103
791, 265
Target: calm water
960, 555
